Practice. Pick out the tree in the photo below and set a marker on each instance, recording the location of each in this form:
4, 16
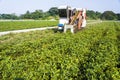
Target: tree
34, 15
37, 14
13, 16
98, 14
91, 14
118, 16
46, 15
108, 15
0, 16
53, 11
8, 16
27, 15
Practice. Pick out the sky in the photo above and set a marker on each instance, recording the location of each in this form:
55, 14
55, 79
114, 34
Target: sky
21, 6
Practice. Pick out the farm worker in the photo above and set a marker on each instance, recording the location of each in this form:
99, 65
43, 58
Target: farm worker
84, 18
80, 19
72, 16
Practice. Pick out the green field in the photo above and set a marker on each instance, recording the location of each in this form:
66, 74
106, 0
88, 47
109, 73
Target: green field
18, 25
90, 54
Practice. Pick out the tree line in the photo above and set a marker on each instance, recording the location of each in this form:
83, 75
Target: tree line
106, 15
52, 13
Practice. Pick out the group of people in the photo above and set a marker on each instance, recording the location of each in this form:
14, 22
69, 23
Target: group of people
79, 18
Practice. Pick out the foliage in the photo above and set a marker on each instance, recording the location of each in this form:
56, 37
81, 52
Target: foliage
8, 16
91, 54
53, 11
118, 16
109, 15
39, 14
27, 15
34, 15
93, 15
18, 25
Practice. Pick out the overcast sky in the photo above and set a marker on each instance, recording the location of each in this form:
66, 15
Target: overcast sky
21, 6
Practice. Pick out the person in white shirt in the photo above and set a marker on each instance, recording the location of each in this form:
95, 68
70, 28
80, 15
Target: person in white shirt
84, 18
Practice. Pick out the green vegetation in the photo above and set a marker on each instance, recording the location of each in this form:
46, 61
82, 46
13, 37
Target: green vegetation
18, 25
92, 15
109, 15
106, 15
52, 13
24, 24
37, 14
91, 54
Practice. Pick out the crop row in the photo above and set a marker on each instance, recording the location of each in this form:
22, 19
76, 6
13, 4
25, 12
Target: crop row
91, 54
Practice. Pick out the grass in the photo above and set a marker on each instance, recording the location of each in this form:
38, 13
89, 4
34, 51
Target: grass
18, 25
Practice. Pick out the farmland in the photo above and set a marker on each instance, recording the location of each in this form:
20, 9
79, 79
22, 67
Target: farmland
9, 25
18, 25
90, 54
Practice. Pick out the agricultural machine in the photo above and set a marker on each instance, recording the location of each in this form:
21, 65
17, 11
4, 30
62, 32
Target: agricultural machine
71, 18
